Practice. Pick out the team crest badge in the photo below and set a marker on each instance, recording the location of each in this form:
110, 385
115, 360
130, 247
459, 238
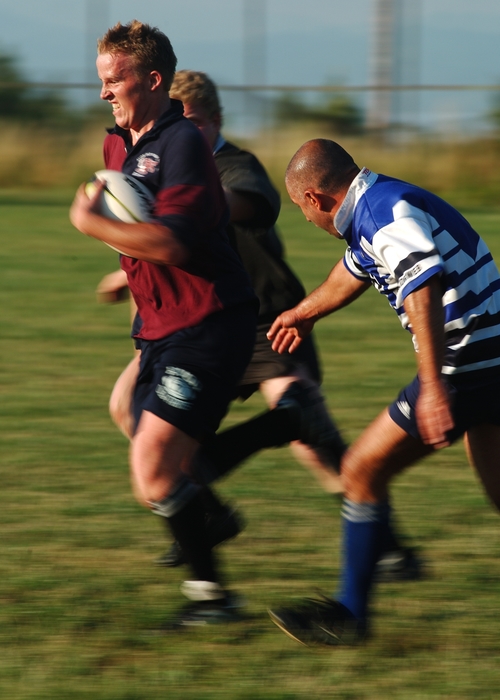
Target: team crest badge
147, 164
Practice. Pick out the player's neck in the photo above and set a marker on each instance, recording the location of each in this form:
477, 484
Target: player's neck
149, 120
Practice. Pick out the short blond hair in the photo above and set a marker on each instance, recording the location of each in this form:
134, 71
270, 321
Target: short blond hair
196, 88
150, 48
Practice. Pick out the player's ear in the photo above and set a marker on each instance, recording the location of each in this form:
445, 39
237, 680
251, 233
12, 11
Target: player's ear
155, 80
313, 198
319, 200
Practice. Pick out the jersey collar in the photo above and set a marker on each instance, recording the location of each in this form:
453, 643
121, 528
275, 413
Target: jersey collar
362, 182
172, 114
219, 143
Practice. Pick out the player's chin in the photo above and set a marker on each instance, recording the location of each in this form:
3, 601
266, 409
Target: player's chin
121, 120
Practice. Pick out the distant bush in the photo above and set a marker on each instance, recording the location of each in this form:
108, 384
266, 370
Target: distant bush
24, 103
338, 113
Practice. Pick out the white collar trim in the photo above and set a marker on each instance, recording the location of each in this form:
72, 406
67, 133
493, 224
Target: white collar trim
362, 182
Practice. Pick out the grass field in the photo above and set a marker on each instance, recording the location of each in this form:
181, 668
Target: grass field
79, 597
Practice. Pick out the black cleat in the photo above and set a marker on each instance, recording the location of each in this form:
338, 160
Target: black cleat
316, 427
324, 621
172, 557
219, 528
201, 613
398, 565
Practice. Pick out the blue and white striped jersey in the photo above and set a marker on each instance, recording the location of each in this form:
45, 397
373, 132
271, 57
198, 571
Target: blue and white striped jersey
399, 236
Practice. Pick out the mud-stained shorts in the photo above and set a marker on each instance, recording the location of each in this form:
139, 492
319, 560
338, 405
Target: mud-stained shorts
189, 378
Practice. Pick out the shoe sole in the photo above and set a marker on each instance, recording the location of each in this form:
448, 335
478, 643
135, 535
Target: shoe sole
278, 622
330, 639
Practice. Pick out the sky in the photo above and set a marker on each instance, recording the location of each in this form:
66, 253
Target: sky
306, 43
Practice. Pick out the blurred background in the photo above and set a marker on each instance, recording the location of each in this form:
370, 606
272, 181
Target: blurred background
400, 77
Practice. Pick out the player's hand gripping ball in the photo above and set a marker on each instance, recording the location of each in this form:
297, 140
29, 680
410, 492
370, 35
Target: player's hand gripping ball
123, 198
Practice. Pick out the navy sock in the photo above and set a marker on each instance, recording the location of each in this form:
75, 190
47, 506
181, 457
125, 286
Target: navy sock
365, 527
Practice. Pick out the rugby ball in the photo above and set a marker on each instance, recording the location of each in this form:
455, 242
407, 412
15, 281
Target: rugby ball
124, 198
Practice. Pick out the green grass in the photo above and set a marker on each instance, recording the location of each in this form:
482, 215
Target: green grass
79, 597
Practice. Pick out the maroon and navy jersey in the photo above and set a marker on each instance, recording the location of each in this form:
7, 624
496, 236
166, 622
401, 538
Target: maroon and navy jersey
174, 161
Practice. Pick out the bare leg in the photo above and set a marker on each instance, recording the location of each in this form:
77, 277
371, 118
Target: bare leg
160, 456
382, 451
120, 401
482, 444
312, 459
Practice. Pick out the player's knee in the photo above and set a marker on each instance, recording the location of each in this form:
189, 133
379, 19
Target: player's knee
360, 479
180, 495
151, 486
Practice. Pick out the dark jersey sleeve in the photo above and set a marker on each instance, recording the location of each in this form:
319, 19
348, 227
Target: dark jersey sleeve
189, 199
257, 240
241, 172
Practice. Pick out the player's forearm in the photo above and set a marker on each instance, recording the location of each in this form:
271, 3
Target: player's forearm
433, 411
145, 241
338, 290
425, 312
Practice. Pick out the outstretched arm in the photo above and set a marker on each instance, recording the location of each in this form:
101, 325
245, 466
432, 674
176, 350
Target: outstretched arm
338, 290
425, 310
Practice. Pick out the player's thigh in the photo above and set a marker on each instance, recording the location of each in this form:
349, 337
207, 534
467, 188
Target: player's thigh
160, 455
482, 443
383, 450
120, 401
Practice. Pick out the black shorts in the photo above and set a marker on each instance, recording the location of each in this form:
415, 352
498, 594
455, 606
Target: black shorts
472, 403
268, 364
189, 378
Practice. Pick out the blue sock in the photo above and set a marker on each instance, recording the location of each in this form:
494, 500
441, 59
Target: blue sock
365, 531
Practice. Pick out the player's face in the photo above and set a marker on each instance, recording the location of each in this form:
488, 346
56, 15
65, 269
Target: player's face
209, 126
128, 94
318, 217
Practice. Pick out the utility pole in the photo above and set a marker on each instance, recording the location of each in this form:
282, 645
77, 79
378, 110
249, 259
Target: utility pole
406, 103
254, 55
254, 42
96, 23
395, 62
379, 115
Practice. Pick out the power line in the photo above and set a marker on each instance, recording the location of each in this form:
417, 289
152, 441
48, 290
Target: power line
44, 85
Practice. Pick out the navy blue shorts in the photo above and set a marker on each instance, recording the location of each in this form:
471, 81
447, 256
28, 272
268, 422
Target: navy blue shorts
472, 403
189, 378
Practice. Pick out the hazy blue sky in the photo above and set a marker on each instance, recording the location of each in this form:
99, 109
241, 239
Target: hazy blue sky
308, 42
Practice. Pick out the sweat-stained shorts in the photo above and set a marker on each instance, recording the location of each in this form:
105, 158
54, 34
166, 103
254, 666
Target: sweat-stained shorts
189, 378
472, 403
